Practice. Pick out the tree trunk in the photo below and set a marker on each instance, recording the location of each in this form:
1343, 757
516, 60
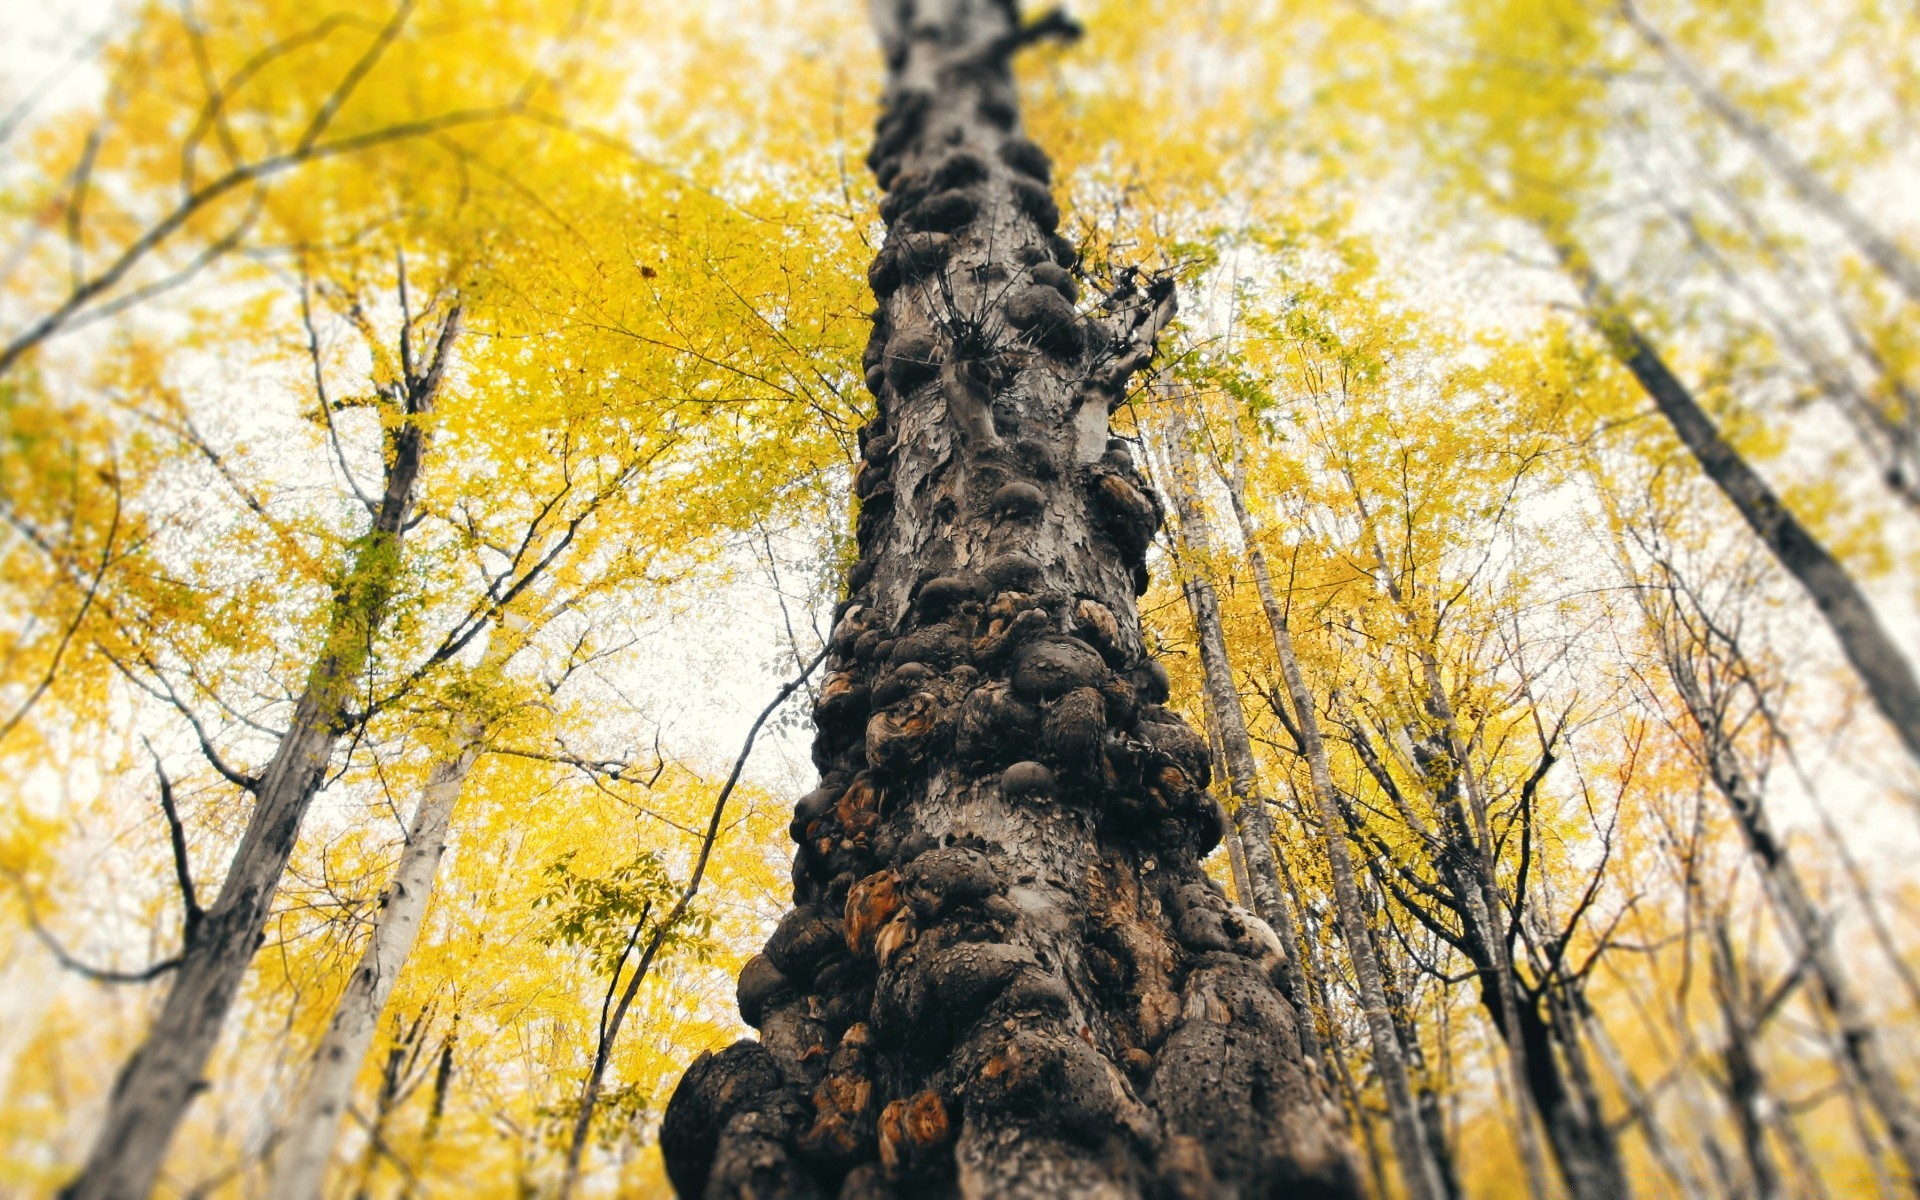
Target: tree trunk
1644, 1111
160, 1081
301, 1165
1418, 1170
1806, 925
602, 1054
1875, 656
1253, 825
1006, 973
1743, 1085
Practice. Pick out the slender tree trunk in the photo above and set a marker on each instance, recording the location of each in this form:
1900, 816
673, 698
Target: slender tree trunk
597, 1073
1744, 1086
1868, 646
1644, 1111
160, 1081
1252, 822
1418, 1170
1006, 973
1426, 1098
302, 1161
1589, 1162
1810, 928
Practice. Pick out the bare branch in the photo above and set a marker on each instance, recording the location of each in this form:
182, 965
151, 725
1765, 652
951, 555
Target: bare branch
177, 838
79, 616
68, 961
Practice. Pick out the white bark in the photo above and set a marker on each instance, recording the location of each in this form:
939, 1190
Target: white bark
1255, 857
1419, 1173
315, 1123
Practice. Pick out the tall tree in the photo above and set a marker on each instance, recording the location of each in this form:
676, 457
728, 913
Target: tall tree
1006, 973
300, 1167
159, 1082
1686, 636
1863, 637
1266, 894
1419, 1172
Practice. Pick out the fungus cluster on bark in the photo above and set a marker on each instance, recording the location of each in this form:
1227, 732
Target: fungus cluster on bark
1005, 972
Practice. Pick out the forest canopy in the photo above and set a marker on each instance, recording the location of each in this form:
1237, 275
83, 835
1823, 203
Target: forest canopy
451, 465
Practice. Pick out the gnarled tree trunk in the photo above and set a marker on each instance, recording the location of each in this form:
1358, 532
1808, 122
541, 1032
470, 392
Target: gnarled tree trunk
1006, 974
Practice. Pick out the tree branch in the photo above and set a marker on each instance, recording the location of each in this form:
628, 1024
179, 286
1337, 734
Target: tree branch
182, 867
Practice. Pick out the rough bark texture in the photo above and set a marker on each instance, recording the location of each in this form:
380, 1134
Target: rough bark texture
1006, 973
161, 1080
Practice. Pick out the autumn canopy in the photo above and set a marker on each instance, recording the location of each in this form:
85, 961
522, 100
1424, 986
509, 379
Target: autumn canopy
954, 598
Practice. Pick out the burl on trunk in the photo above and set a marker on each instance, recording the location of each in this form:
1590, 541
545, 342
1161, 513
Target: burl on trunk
1005, 973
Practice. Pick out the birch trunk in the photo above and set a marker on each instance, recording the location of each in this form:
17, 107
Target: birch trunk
1300, 696
1006, 974
301, 1164
1418, 1172
1253, 825
158, 1084
315, 1124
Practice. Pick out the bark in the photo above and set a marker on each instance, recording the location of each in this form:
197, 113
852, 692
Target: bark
1743, 1083
1875, 656
1006, 973
160, 1081
302, 1162
1807, 926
